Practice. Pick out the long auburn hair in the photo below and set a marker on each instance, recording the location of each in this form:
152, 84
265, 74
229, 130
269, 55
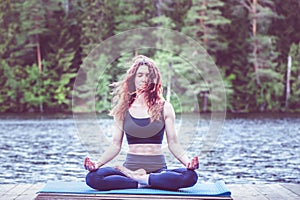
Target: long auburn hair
124, 91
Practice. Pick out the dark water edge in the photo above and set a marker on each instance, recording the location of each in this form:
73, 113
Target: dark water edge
206, 115
251, 148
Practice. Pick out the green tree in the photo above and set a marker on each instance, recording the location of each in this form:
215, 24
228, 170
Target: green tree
267, 81
134, 14
178, 81
203, 21
235, 57
10, 44
22, 46
295, 78
44, 43
61, 48
97, 23
286, 28
38, 61
33, 17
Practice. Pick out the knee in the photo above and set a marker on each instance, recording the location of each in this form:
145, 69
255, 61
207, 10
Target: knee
95, 180
91, 180
192, 177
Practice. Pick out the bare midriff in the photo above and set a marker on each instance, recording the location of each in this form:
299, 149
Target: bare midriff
145, 149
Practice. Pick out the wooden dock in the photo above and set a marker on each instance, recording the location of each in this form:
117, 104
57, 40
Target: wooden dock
19, 191
284, 191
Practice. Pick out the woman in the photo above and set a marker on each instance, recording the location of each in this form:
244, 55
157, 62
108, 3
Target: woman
141, 113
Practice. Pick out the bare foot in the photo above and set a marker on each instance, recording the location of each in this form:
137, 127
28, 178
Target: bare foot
129, 173
139, 175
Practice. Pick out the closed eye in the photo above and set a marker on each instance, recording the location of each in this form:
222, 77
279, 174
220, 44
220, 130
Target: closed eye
141, 74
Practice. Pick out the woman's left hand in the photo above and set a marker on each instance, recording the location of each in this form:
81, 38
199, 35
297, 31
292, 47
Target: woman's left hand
194, 164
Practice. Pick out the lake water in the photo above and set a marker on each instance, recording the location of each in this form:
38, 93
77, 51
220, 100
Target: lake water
250, 148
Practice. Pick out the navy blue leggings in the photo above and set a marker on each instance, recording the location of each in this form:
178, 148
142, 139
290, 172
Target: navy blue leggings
108, 178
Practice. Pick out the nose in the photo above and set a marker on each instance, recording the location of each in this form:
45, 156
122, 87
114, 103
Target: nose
144, 79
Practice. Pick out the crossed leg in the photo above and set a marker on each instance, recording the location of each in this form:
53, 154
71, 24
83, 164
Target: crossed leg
139, 175
167, 179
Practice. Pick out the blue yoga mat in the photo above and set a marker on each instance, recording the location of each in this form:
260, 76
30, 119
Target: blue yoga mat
200, 189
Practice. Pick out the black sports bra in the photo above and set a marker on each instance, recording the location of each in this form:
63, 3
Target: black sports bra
143, 131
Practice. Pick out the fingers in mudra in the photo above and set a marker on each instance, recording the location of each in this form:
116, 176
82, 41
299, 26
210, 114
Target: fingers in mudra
88, 164
195, 162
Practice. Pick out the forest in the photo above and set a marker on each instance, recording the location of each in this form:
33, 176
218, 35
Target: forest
254, 43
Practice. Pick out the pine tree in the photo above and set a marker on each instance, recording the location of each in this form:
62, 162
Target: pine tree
97, 22
178, 78
267, 82
203, 22
61, 65
8, 54
295, 78
286, 28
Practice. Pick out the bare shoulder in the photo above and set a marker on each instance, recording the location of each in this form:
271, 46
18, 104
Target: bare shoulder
168, 105
118, 122
168, 110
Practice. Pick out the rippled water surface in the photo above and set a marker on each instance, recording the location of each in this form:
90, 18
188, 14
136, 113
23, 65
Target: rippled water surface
249, 149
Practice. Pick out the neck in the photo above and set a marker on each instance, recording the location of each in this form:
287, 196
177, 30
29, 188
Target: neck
140, 99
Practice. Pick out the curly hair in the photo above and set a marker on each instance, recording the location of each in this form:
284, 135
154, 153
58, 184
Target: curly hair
124, 91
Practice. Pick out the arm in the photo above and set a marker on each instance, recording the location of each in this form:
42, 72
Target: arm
173, 144
111, 152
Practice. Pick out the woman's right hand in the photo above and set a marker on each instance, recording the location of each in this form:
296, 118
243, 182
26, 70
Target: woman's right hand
89, 165
194, 164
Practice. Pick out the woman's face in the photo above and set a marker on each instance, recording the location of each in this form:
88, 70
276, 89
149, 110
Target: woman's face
141, 76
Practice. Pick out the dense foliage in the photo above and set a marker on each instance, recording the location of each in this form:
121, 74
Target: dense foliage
254, 43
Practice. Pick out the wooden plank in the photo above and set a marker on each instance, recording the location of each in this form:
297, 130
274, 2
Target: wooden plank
34, 188
295, 188
19, 191
6, 187
55, 196
275, 192
15, 191
287, 194
25, 197
31, 192
245, 192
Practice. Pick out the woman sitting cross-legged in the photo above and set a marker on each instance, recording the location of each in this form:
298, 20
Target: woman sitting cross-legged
143, 116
